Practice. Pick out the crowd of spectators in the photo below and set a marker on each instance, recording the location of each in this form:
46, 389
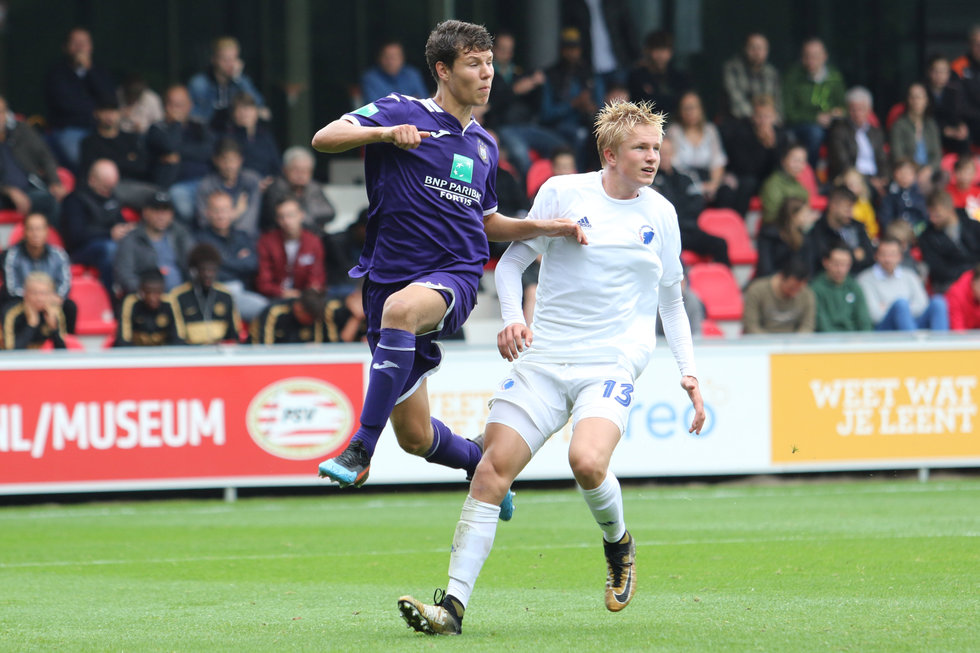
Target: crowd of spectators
184, 207
202, 229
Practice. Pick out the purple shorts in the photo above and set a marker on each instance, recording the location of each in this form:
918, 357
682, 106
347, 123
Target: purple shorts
459, 291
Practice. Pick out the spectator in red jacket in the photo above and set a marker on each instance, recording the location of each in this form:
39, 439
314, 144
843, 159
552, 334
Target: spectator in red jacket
290, 257
963, 299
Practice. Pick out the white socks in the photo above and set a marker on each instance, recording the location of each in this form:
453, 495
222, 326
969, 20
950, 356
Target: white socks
606, 504
471, 546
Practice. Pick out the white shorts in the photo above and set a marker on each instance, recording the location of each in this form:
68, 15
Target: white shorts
548, 394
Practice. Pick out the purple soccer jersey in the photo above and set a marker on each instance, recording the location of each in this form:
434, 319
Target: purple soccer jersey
427, 204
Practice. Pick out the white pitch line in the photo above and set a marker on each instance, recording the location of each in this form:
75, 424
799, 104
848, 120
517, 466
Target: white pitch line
532, 497
517, 547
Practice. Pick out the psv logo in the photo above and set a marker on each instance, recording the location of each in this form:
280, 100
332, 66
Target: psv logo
300, 418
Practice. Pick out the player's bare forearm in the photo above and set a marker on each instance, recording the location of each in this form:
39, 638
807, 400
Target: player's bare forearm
500, 228
341, 135
693, 389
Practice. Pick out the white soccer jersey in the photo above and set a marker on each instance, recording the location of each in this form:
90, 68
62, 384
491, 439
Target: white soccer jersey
598, 303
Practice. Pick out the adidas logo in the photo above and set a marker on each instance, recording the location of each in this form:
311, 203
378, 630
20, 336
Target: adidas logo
584, 223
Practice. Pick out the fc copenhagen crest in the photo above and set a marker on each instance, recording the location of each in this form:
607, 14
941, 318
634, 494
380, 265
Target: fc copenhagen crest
300, 418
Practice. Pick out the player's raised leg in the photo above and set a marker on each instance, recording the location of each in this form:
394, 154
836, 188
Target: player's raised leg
589, 452
394, 319
506, 455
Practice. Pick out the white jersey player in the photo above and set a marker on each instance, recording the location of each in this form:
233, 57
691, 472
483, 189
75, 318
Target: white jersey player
594, 333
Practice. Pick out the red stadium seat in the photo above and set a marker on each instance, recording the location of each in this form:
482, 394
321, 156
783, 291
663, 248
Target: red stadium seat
71, 343
710, 329
728, 224
539, 173
94, 307
894, 114
9, 216
17, 235
689, 258
67, 179
79, 270
718, 290
130, 214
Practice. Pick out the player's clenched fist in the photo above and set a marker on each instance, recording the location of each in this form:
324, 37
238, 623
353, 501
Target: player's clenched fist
407, 137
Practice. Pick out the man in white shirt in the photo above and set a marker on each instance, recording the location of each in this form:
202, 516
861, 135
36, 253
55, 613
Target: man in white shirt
896, 296
593, 335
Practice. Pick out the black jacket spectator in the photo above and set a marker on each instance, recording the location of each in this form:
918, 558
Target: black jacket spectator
946, 258
125, 150
86, 216
191, 141
72, 98
141, 326
819, 239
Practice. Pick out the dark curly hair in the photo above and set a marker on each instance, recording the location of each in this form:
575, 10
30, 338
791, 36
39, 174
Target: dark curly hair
452, 38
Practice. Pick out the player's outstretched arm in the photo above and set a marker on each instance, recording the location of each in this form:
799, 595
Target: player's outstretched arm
501, 229
342, 135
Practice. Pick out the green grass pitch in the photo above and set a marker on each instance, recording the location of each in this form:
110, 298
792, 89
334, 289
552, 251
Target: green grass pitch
816, 566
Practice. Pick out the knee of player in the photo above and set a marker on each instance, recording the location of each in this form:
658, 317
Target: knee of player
414, 441
587, 465
399, 314
489, 481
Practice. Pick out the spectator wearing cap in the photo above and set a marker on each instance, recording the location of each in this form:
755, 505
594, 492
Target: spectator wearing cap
124, 149
157, 243
72, 89
570, 96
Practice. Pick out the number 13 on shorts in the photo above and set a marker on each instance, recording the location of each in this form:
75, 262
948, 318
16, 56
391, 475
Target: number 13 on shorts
621, 392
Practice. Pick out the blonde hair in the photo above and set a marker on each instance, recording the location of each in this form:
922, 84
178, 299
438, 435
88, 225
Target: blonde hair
40, 278
617, 120
862, 191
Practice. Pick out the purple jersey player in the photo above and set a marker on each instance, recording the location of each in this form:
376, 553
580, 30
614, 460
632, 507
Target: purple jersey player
430, 170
